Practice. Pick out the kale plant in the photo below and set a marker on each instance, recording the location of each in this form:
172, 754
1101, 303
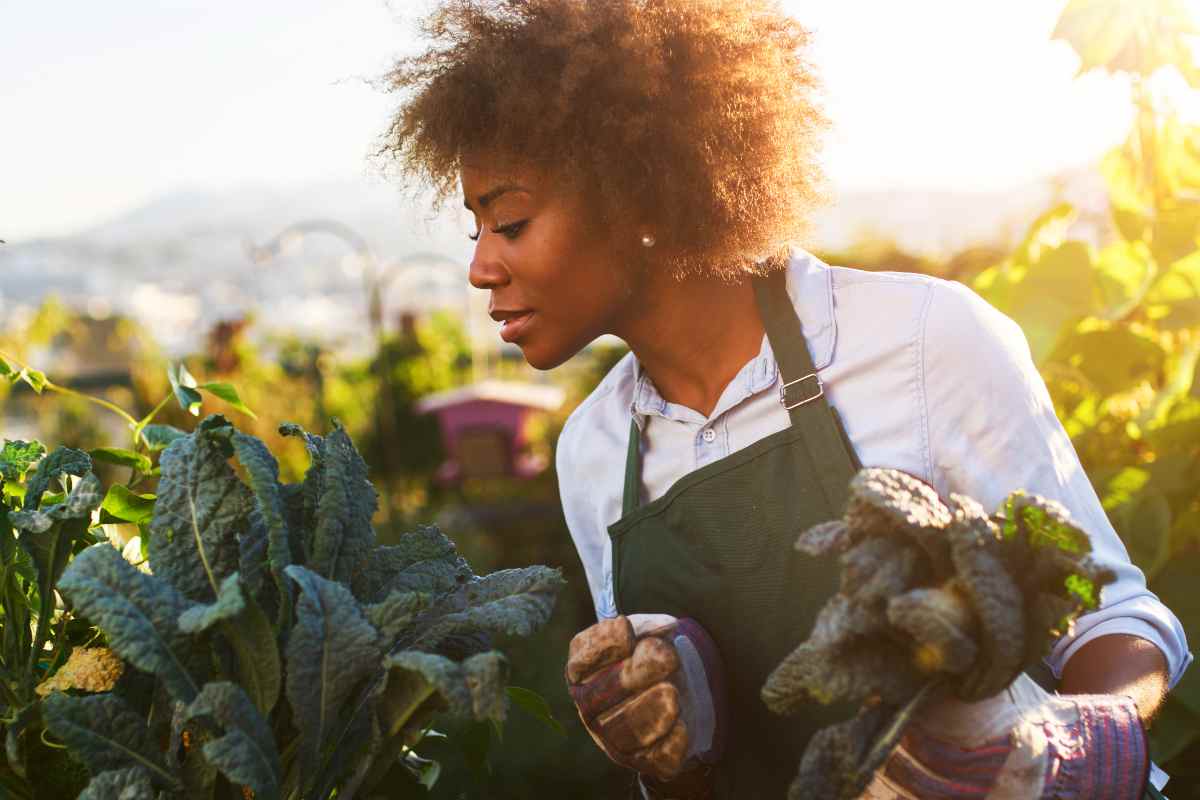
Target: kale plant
288, 654
46, 506
934, 597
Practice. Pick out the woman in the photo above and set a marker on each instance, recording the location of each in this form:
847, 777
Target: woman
643, 168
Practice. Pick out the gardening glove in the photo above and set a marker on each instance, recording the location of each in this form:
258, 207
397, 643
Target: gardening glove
650, 691
1022, 743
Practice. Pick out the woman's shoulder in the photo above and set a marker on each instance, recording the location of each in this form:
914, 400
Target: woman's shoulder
944, 314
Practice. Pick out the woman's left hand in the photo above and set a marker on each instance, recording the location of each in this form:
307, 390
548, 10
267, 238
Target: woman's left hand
1022, 743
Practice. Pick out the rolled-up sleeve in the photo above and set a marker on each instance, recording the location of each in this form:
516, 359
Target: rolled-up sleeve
992, 429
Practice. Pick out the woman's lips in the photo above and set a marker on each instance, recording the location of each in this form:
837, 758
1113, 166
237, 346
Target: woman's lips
511, 328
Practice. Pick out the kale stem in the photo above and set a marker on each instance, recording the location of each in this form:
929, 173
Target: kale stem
141, 424
54, 387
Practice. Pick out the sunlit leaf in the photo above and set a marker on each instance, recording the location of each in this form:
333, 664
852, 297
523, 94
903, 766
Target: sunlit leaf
1048, 230
1178, 155
1141, 515
35, 379
1112, 360
184, 387
1175, 229
1048, 296
125, 504
1175, 296
1123, 273
1137, 37
122, 458
229, 394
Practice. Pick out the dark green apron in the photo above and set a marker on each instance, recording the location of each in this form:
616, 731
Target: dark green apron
717, 547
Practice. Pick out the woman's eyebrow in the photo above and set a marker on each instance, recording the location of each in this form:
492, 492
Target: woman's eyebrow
489, 196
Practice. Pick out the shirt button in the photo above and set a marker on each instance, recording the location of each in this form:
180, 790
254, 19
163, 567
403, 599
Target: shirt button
708, 435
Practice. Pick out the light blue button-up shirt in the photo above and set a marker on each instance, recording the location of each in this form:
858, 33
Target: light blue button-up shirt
927, 377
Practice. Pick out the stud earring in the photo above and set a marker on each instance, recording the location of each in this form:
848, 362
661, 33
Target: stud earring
647, 240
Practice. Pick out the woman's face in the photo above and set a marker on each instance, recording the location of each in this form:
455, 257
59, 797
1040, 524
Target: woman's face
557, 282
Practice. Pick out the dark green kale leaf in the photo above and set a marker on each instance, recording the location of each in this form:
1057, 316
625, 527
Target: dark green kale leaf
63, 461
932, 595
263, 472
158, 437
393, 615
347, 501
473, 688
301, 499
248, 631
138, 613
131, 783
246, 753
201, 509
84, 498
106, 733
424, 560
513, 601
331, 650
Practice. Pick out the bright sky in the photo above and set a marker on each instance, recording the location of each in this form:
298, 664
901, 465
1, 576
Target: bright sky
105, 106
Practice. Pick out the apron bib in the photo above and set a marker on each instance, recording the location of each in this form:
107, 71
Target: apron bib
718, 547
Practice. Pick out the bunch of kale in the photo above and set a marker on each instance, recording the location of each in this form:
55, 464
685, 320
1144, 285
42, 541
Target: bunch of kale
292, 656
932, 595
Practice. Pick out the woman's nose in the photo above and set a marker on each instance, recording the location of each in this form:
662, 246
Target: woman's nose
486, 271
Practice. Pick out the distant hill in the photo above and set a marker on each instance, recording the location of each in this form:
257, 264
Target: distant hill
179, 263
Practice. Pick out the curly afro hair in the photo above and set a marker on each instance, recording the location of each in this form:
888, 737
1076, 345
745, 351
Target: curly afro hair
695, 119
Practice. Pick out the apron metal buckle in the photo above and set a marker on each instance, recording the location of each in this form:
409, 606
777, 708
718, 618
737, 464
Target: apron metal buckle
783, 391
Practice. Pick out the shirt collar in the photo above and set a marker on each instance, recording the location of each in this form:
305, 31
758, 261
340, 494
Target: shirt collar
810, 288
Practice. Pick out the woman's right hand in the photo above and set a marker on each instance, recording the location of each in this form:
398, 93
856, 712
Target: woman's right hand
646, 707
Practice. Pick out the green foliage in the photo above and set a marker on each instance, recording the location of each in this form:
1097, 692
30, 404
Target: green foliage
1138, 38
377, 640
1116, 330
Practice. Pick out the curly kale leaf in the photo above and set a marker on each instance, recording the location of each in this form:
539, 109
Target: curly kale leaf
246, 751
983, 577
301, 499
343, 535
424, 560
79, 504
201, 509
393, 615
106, 733
331, 650
513, 601
473, 688
832, 765
138, 613
263, 472
131, 783
248, 630
63, 461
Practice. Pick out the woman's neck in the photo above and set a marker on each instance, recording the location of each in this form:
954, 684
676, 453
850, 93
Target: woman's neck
693, 336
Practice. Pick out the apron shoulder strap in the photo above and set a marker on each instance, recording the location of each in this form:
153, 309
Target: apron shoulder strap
801, 392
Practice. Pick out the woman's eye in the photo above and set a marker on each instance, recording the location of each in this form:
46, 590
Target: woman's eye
511, 230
